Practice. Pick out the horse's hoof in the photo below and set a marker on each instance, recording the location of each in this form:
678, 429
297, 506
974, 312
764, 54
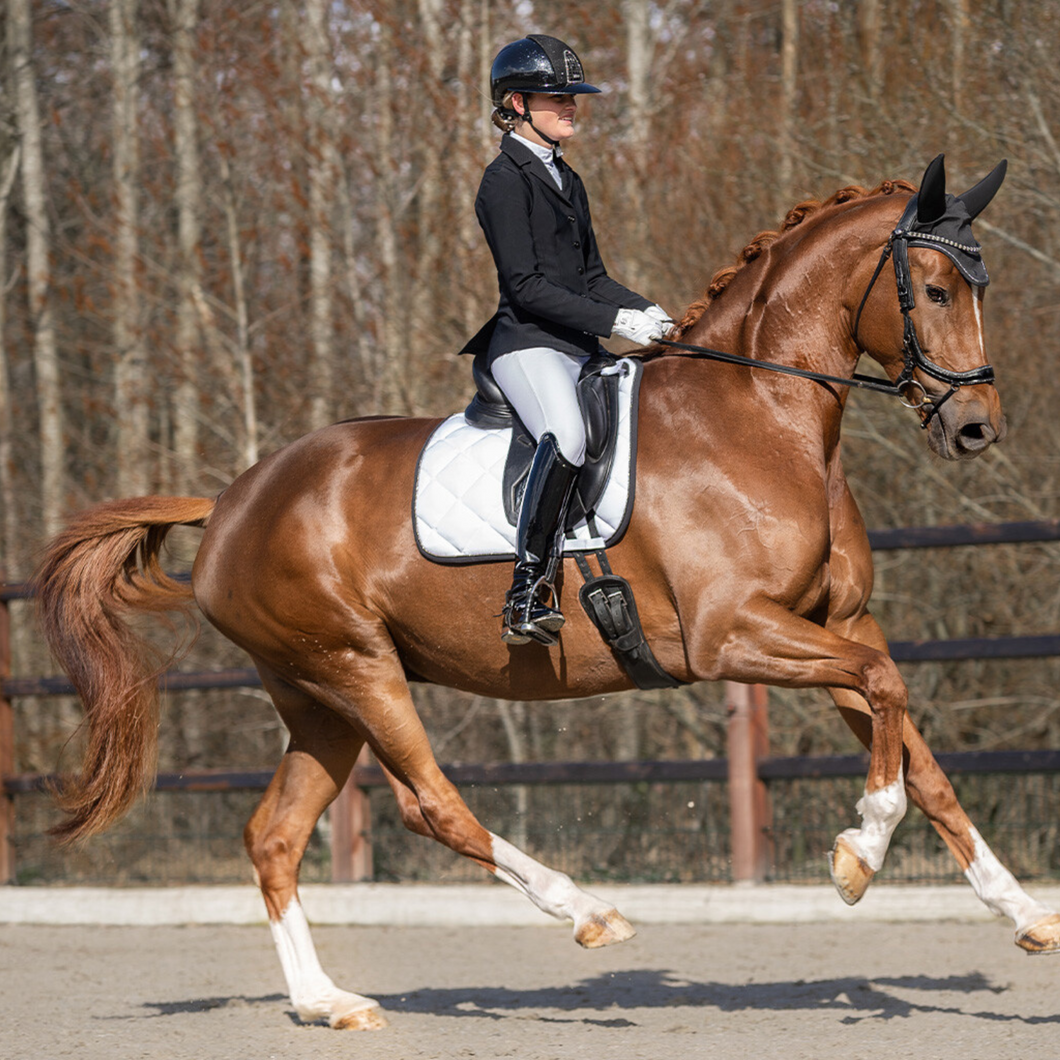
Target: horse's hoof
603, 929
850, 872
362, 1019
1043, 937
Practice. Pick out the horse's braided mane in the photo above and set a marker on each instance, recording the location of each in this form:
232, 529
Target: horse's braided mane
795, 216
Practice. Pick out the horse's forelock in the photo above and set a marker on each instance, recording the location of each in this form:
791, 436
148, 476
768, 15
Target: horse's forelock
794, 217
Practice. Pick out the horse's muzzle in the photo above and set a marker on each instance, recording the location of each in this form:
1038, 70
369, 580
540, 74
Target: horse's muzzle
968, 424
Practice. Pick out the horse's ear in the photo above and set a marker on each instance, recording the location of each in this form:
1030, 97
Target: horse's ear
975, 199
931, 198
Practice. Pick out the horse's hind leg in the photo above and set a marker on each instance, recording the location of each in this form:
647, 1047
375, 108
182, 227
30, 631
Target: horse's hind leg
596, 922
321, 752
375, 697
1037, 926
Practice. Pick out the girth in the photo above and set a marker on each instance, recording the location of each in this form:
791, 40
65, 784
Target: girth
598, 401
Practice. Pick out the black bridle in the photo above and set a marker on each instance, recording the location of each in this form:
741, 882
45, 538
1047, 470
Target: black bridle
897, 250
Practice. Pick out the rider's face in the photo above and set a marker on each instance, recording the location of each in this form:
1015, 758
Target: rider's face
552, 115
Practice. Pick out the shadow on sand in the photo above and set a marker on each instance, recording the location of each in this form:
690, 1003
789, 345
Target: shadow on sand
611, 1000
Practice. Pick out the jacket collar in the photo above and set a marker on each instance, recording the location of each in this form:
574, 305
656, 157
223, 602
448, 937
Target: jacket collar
523, 157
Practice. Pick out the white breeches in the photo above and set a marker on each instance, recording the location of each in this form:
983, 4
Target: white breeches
541, 385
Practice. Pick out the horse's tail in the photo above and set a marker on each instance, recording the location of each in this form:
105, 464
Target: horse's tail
95, 579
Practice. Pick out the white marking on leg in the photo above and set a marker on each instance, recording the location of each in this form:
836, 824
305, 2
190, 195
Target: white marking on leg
880, 813
312, 992
552, 892
998, 890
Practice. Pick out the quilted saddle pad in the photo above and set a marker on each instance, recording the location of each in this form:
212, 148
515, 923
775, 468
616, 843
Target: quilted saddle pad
458, 511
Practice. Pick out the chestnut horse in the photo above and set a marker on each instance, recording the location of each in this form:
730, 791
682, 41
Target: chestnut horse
748, 555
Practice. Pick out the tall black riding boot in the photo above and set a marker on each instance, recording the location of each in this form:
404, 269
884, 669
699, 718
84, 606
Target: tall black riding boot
529, 613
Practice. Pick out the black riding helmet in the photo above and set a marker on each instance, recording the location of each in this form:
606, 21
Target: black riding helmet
537, 63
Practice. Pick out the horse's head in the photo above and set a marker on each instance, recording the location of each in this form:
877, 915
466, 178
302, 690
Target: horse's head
927, 332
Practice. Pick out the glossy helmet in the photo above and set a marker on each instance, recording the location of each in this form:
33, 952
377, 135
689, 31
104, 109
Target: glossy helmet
537, 63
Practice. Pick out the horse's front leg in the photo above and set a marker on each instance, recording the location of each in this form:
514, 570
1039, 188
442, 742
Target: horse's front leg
772, 646
1037, 926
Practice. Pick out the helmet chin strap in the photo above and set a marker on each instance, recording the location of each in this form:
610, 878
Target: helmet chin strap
554, 144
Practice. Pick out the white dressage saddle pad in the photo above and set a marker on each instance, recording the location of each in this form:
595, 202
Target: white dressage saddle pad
458, 512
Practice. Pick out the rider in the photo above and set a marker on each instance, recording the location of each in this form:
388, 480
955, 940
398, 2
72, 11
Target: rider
556, 299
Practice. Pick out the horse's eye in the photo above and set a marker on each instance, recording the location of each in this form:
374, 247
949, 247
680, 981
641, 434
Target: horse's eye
938, 295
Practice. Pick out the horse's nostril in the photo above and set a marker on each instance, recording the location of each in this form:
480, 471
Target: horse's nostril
974, 437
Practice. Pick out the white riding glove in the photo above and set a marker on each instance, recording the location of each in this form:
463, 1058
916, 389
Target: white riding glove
638, 326
658, 313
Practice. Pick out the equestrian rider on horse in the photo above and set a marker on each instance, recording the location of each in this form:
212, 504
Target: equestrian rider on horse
556, 302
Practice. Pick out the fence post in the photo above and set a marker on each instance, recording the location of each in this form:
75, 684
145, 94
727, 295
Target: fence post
749, 812
7, 744
351, 830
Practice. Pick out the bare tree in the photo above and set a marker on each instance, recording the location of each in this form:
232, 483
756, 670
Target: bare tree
241, 372
8, 498
131, 405
871, 54
184, 15
959, 15
788, 115
323, 173
38, 267
390, 391
640, 47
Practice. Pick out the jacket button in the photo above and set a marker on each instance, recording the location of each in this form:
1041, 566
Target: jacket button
581, 271
576, 243
572, 220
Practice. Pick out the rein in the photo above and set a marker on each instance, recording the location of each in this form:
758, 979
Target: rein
897, 249
864, 382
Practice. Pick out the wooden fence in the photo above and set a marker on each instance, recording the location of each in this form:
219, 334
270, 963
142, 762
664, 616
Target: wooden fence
747, 769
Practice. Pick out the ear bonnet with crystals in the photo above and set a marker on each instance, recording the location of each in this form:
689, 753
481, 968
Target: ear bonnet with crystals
943, 222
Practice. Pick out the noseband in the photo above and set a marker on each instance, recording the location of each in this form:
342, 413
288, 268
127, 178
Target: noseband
897, 249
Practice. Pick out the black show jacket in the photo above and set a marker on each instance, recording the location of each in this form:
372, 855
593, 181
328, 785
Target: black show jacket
554, 289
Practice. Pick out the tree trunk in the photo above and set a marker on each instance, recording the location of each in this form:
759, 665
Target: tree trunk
38, 269
131, 408
869, 22
8, 496
185, 17
960, 34
513, 718
426, 304
390, 391
242, 372
789, 67
474, 144
322, 175
640, 47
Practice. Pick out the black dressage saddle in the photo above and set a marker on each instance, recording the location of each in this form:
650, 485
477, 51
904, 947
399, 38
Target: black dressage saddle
598, 399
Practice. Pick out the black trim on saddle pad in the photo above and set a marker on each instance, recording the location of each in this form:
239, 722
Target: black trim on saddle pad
608, 600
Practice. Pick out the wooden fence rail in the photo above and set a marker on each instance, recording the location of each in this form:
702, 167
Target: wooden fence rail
747, 770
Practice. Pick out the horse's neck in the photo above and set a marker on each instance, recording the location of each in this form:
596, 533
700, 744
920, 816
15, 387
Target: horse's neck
792, 306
